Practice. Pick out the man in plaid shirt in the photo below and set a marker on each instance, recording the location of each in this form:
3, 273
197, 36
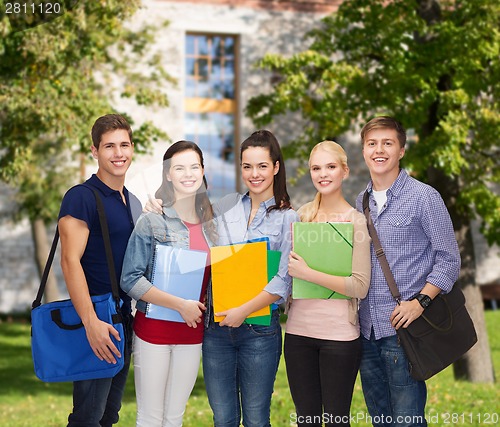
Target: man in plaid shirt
417, 236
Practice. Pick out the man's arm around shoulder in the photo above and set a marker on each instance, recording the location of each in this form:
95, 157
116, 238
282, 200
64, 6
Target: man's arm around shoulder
74, 235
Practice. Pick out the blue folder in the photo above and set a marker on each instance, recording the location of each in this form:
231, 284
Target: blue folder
179, 272
256, 239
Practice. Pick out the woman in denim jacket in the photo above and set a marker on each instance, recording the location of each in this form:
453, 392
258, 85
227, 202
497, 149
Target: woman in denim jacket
166, 353
240, 361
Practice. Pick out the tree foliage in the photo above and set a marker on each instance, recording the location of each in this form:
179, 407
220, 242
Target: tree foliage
432, 64
56, 78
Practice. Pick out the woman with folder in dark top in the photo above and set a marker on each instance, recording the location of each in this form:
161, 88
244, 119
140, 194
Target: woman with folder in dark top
167, 353
322, 341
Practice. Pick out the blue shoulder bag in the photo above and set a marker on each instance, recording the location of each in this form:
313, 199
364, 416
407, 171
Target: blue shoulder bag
59, 344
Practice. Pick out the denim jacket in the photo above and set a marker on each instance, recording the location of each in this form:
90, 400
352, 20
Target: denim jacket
151, 229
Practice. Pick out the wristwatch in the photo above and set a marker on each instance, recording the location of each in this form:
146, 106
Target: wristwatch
424, 300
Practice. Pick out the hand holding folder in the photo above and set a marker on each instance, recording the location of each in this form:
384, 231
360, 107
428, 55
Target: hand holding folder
273, 264
240, 273
179, 272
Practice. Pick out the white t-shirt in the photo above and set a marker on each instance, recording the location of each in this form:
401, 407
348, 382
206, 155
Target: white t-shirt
380, 197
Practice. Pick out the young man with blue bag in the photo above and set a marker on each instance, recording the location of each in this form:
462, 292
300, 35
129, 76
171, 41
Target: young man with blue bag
97, 402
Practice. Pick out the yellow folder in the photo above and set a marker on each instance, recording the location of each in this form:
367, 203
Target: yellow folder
239, 273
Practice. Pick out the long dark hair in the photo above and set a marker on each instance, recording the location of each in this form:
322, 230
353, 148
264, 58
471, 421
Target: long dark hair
166, 191
265, 139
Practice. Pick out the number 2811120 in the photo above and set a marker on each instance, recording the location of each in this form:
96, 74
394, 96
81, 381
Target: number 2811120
30, 8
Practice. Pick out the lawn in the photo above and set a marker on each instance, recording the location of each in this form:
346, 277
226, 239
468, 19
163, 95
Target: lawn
26, 401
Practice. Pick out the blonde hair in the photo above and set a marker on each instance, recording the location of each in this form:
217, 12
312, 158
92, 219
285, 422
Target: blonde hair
308, 212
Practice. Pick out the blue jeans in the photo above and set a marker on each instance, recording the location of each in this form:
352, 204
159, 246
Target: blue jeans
96, 403
392, 396
240, 365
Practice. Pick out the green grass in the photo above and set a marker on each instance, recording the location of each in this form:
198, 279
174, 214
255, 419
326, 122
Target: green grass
26, 401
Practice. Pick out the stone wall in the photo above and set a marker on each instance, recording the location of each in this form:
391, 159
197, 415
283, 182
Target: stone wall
319, 6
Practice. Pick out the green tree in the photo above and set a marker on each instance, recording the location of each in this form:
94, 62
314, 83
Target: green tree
56, 78
435, 66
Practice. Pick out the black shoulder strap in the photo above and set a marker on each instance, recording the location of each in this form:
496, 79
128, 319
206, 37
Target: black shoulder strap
46, 271
107, 247
379, 251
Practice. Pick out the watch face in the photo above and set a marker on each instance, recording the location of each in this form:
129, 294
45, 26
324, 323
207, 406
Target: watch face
424, 300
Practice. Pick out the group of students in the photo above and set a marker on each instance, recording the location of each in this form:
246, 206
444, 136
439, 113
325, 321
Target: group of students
323, 346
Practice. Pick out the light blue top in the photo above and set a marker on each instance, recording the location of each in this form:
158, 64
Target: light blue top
235, 209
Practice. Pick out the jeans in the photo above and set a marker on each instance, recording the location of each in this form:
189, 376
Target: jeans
321, 374
240, 365
96, 403
392, 396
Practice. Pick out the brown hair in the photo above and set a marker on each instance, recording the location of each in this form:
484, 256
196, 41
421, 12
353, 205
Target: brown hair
265, 139
108, 123
166, 191
385, 122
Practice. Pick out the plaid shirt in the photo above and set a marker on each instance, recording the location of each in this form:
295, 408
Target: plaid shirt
417, 236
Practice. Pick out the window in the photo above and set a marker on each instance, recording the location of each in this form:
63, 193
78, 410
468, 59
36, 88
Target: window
210, 107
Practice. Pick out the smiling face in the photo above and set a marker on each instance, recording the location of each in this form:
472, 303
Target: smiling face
327, 171
114, 156
257, 172
382, 152
185, 173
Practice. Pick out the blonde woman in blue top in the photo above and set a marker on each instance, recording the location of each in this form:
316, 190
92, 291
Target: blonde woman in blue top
240, 361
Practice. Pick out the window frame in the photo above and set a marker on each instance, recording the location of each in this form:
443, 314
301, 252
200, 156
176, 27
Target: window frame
213, 105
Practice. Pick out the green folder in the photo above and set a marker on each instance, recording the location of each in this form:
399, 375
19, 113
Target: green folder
273, 263
326, 247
